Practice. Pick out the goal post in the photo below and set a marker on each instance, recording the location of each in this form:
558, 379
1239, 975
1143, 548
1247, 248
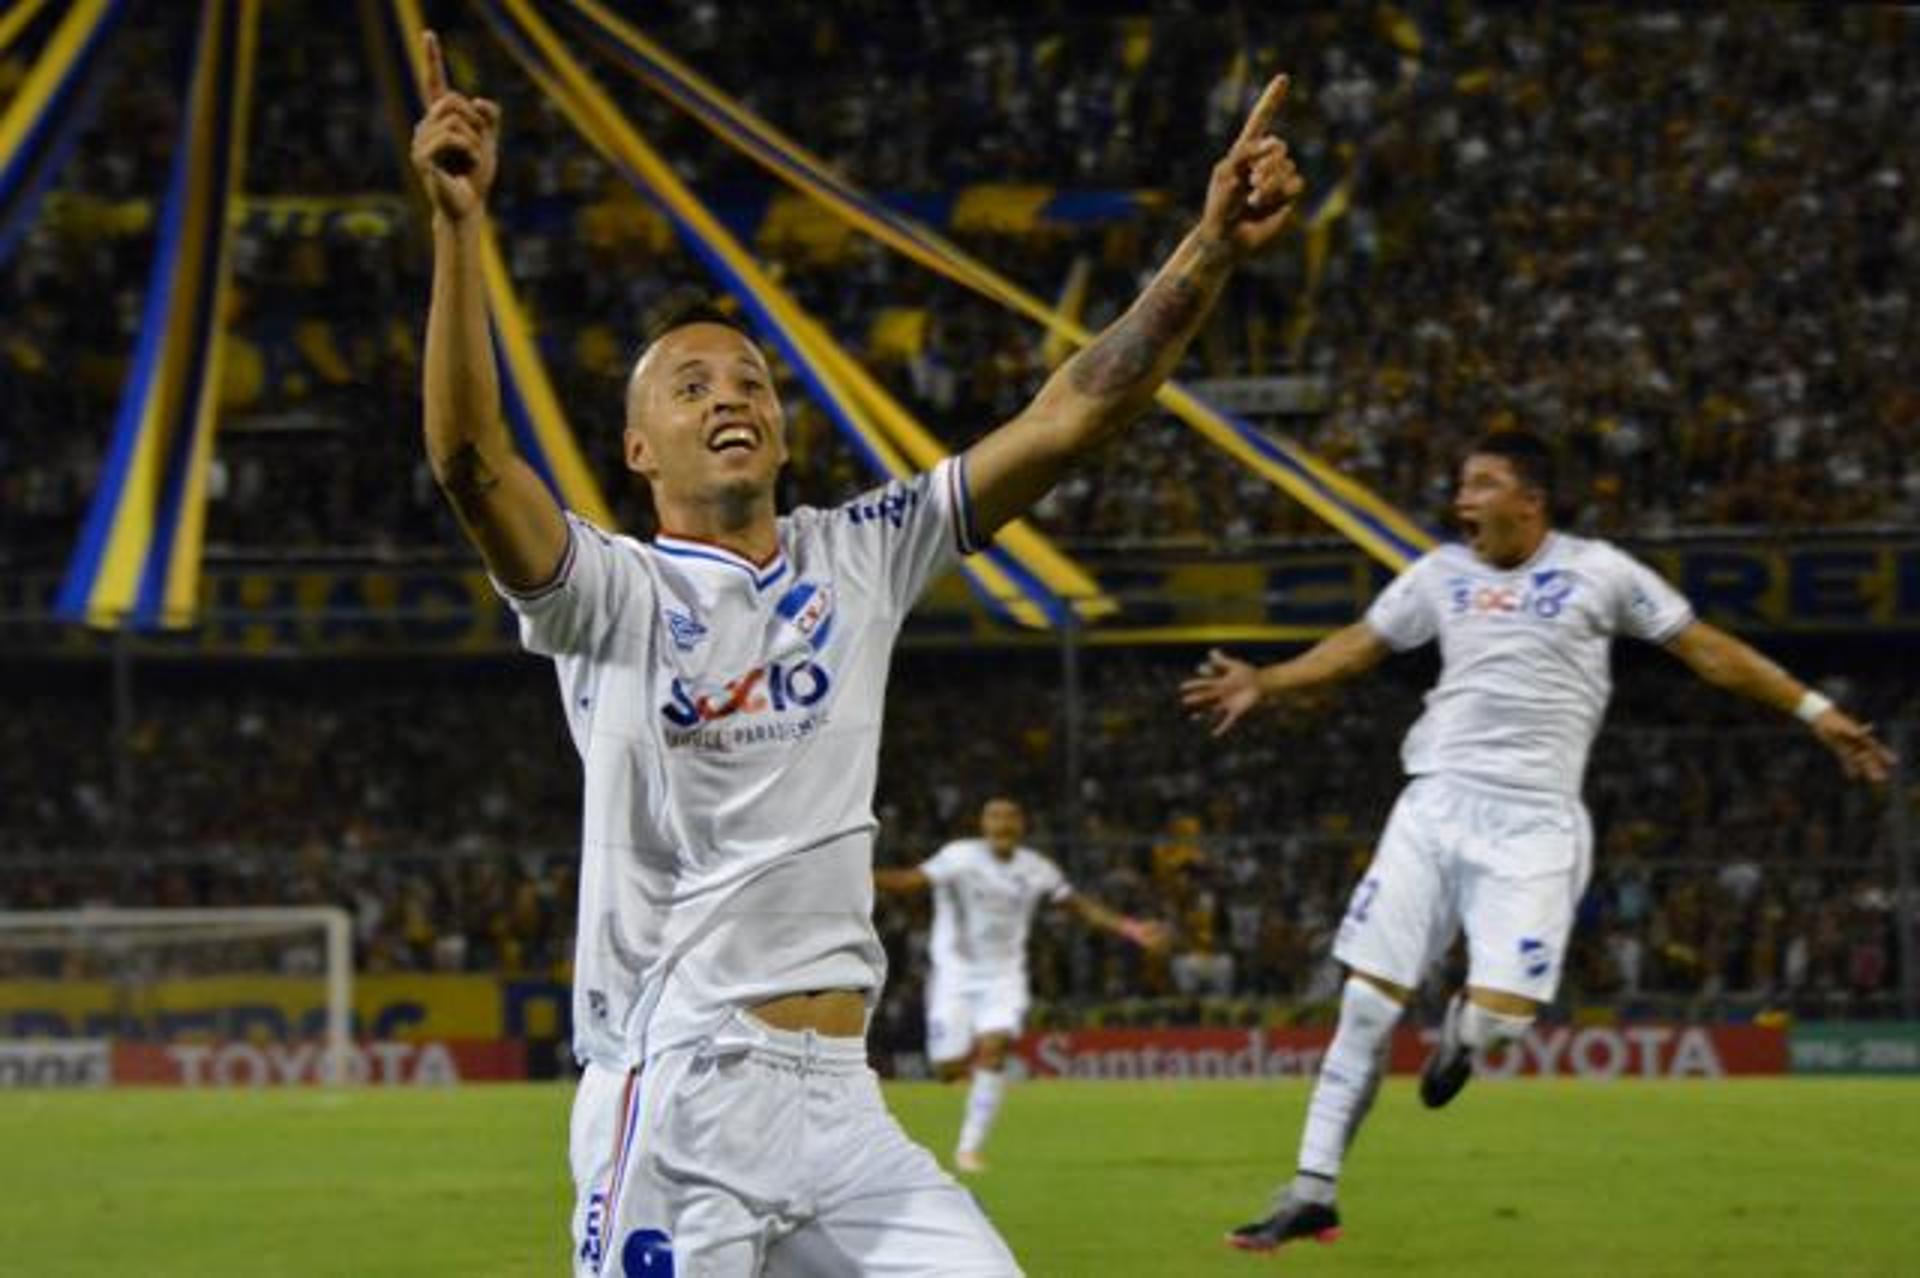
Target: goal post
129, 946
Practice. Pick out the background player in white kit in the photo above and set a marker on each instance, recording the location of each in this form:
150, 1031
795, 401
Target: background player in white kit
1490, 832
723, 685
985, 894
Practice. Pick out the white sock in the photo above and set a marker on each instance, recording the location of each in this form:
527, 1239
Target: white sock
1349, 1077
1481, 1027
983, 1103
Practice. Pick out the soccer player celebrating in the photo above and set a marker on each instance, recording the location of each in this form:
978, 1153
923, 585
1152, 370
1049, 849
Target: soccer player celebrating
985, 894
1490, 832
723, 686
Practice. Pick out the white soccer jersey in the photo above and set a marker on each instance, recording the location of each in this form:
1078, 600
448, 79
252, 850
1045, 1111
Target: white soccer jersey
727, 716
1524, 675
983, 908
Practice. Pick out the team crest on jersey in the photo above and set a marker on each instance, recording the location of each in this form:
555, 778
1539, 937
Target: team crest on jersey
685, 628
1643, 605
1543, 594
808, 608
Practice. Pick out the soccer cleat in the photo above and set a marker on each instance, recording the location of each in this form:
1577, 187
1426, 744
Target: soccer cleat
1451, 1064
1291, 1219
968, 1161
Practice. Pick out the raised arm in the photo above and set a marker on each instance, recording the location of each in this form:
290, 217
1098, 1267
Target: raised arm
1112, 381
505, 509
1227, 687
1726, 662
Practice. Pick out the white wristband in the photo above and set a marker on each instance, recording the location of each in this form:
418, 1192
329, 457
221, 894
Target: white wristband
1813, 705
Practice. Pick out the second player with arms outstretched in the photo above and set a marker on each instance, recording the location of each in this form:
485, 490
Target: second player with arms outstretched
1490, 833
986, 892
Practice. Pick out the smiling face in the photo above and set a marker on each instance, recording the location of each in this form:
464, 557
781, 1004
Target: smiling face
705, 427
1502, 515
1002, 824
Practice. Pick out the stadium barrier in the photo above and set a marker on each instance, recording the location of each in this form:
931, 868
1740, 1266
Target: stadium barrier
434, 1063
441, 1028
1577, 1051
1855, 1047
96, 1062
1594, 1051
86, 1063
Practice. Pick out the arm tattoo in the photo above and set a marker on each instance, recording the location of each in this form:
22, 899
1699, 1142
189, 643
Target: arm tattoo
466, 478
1121, 357
1125, 354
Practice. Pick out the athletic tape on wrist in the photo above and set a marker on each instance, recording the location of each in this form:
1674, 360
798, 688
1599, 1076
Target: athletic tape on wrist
1813, 705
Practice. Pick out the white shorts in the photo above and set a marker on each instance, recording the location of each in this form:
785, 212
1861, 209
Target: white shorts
594, 1140
958, 1012
761, 1151
1510, 866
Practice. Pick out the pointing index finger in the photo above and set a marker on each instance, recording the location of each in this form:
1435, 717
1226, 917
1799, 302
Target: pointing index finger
436, 66
1265, 109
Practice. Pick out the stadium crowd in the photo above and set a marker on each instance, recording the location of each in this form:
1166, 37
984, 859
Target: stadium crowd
1734, 869
1681, 244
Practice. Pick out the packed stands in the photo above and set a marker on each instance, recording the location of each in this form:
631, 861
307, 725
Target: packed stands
1705, 311
1705, 304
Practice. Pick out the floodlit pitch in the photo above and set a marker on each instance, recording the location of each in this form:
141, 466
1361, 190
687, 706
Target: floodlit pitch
1744, 1176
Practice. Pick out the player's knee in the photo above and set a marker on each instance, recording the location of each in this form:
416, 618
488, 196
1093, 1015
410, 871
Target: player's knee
1494, 1017
1365, 1007
1504, 1002
952, 1071
1398, 993
993, 1053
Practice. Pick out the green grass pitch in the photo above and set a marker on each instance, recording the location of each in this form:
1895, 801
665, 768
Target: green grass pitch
1541, 1178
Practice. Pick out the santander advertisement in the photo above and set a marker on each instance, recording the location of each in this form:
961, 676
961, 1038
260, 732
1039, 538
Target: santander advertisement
1579, 1051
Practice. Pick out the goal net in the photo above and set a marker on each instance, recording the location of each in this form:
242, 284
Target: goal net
196, 996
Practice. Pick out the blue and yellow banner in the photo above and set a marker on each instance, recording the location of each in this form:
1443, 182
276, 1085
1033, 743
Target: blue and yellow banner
1372, 523
774, 219
784, 223
1317, 229
138, 561
1072, 303
1021, 574
1860, 587
15, 21
540, 429
45, 115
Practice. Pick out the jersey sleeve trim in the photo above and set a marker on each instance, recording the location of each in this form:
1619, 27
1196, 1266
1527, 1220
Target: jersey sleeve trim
554, 583
1672, 632
1396, 643
941, 866
965, 535
1393, 644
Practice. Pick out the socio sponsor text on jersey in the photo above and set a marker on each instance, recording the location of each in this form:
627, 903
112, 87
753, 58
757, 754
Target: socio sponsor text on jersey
1543, 594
